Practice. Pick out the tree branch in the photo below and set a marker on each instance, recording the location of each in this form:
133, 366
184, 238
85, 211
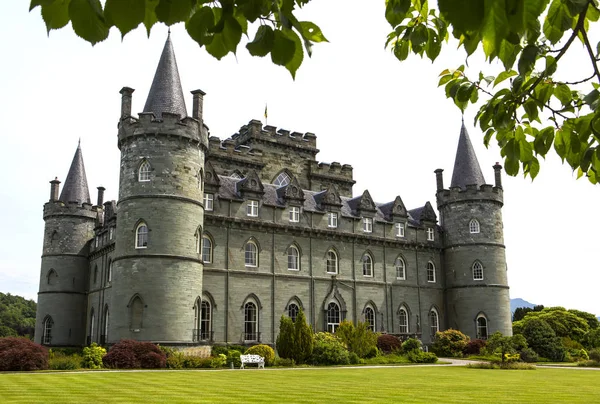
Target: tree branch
590, 52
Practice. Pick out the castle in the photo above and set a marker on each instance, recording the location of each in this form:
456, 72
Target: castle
213, 241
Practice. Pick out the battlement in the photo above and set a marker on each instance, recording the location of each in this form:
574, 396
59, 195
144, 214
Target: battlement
168, 125
59, 208
229, 148
332, 170
472, 192
255, 130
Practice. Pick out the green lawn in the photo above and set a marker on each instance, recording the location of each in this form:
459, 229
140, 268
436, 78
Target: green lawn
337, 385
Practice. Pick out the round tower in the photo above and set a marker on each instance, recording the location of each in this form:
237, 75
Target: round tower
477, 292
157, 268
69, 227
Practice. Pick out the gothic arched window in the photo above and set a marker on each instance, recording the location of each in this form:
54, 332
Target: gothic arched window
293, 258
333, 317
250, 322
403, 320
332, 262
400, 268
144, 171
251, 254
477, 271
370, 318
482, 329
47, 331
430, 272
367, 264
293, 311
474, 226
434, 323
141, 236
207, 249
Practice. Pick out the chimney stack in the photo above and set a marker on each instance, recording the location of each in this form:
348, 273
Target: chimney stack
498, 175
126, 93
439, 179
198, 104
54, 189
101, 190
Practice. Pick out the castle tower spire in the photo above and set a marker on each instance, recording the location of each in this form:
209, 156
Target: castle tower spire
466, 167
76, 185
166, 94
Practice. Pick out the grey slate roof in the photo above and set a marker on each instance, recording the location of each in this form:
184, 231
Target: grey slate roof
466, 167
228, 190
166, 94
75, 188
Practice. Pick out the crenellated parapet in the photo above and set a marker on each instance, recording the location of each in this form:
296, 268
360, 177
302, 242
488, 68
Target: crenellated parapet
59, 208
169, 124
473, 192
255, 131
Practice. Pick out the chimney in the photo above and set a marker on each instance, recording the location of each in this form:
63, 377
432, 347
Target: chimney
101, 190
126, 93
498, 175
54, 189
198, 104
439, 179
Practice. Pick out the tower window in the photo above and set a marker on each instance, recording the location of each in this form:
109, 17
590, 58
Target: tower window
333, 317
370, 318
294, 214
477, 271
367, 262
47, 331
141, 236
430, 234
209, 202
367, 225
205, 321
482, 331
136, 313
332, 219
206, 250
332, 262
293, 259
252, 208
430, 272
403, 320
434, 323
251, 254
399, 229
109, 272
400, 268
144, 171
474, 226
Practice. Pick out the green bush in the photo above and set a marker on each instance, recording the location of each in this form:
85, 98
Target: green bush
576, 355
283, 362
449, 343
594, 354
218, 349
353, 358
218, 361
502, 365
528, 355
64, 362
92, 356
175, 360
304, 339
589, 364
416, 356
542, 339
131, 354
474, 347
411, 344
386, 359
329, 350
263, 350
240, 348
591, 339
388, 343
285, 339
233, 355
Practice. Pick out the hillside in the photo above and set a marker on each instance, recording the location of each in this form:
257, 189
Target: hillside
17, 316
518, 302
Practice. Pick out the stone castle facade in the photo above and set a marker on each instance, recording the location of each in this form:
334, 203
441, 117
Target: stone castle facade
213, 241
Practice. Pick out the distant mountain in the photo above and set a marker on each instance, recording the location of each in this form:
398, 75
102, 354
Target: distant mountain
518, 302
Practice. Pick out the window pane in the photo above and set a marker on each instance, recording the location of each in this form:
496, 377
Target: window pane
206, 250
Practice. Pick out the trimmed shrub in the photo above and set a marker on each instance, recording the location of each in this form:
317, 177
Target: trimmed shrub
449, 343
240, 348
528, 355
217, 350
411, 344
388, 343
542, 339
22, 354
175, 360
92, 356
417, 356
218, 361
304, 339
353, 358
130, 354
263, 350
474, 347
233, 355
283, 362
63, 362
285, 339
329, 350
594, 354
360, 339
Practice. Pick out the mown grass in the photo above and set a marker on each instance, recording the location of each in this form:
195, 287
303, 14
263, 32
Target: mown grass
346, 385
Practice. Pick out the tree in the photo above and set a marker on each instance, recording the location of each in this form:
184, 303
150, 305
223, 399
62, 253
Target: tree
303, 339
360, 339
17, 316
542, 339
534, 34
564, 323
449, 343
285, 339
502, 345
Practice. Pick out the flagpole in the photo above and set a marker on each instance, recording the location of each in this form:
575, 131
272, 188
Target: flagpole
266, 115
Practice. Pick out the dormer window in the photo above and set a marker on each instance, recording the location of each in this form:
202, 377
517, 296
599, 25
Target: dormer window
430, 234
368, 225
252, 208
332, 219
294, 214
399, 229
282, 179
144, 171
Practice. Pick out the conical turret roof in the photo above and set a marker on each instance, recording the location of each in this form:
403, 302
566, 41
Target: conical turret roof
75, 188
166, 94
466, 167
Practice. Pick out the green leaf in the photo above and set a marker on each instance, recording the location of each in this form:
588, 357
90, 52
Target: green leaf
532, 10
495, 26
576, 6
508, 53
434, 45
125, 14
396, 11
464, 92
173, 11
557, 21
592, 99
87, 20
401, 49
293, 65
463, 15
418, 38
533, 168
563, 93
503, 76
531, 109
34, 3
227, 40
283, 48
263, 41
527, 59
150, 15
559, 142
55, 14
200, 26
252, 9
312, 32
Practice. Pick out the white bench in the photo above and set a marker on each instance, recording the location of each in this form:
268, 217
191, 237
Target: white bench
252, 359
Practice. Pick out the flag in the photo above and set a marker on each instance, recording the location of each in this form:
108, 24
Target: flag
265, 111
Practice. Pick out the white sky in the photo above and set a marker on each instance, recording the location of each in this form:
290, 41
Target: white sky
385, 118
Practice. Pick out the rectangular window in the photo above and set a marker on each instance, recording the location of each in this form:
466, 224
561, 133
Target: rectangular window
294, 214
430, 234
209, 202
399, 229
111, 233
252, 208
367, 225
332, 219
